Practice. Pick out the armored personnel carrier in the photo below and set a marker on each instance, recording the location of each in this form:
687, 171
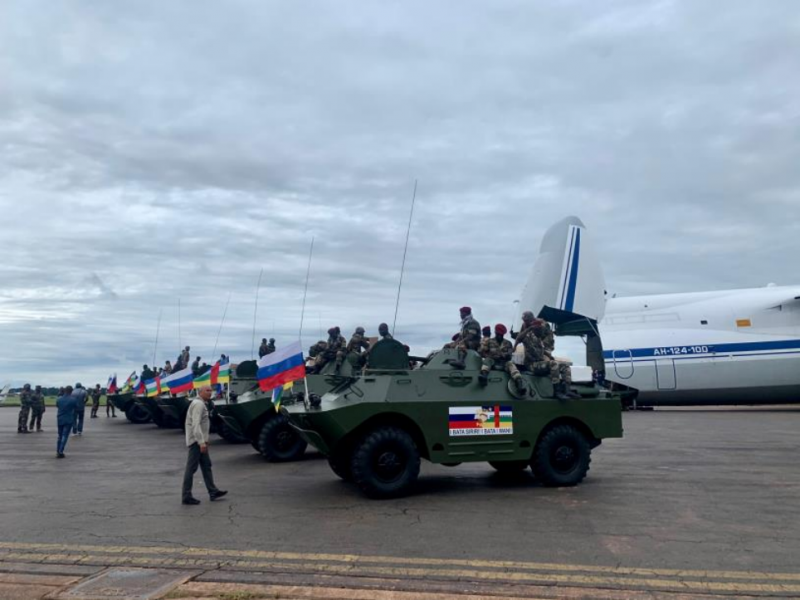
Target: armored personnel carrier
375, 428
127, 403
250, 414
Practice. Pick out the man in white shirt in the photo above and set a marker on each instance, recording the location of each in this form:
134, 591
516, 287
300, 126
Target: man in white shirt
197, 432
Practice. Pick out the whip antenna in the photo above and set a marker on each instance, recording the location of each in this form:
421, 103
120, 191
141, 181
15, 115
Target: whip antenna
225, 312
158, 328
305, 292
405, 252
255, 313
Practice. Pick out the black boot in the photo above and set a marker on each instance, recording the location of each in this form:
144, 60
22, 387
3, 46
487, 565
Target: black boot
483, 378
559, 391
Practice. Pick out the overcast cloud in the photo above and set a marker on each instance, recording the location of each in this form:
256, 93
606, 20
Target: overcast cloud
151, 151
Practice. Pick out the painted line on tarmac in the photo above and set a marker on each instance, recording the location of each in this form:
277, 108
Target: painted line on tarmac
352, 569
355, 559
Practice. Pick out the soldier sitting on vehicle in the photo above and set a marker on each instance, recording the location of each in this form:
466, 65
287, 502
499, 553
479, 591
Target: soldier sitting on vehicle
544, 332
335, 343
536, 359
356, 345
468, 339
496, 354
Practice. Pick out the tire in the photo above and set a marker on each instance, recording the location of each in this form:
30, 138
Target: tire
136, 414
562, 457
385, 464
339, 463
279, 442
509, 466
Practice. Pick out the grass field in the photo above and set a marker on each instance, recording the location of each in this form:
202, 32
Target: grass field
48, 401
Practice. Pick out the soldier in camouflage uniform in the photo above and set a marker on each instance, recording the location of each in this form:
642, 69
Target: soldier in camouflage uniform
357, 344
96, 393
468, 339
263, 349
544, 332
333, 346
383, 331
37, 409
496, 354
486, 335
24, 408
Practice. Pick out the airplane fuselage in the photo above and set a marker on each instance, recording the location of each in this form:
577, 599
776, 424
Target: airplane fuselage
727, 347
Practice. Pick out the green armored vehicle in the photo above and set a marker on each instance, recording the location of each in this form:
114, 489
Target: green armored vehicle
126, 402
250, 414
375, 428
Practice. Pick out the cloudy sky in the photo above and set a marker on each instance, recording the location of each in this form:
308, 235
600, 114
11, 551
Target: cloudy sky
152, 152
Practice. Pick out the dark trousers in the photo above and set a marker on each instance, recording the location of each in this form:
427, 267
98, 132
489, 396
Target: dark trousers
95, 408
194, 460
79, 414
110, 408
36, 418
22, 422
63, 436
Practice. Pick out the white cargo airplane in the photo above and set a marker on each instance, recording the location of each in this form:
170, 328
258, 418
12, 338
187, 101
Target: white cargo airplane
4, 393
727, 347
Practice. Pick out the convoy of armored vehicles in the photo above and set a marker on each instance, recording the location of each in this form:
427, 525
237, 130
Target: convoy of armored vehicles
375, 424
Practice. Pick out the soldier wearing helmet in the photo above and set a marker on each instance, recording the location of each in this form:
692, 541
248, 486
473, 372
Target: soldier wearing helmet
333, 346
271, 346
383, 331
560, 373
358, 343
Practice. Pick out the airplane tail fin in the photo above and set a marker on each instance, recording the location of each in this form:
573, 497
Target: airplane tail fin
566, 285
4, 393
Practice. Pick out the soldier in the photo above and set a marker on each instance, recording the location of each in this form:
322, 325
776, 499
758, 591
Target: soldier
544, 332
24, 408
496, 354
37, 409
271, 346
535, 360
356, 345
110, 410
333, 346
383, 331
315, 351
263, 349
468, 339
96, 393
196, 366
168, 368
147, 373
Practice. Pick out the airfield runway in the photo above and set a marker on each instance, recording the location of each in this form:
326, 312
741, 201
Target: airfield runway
689, 503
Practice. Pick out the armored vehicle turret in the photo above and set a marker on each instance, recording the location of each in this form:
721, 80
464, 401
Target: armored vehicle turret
374, 428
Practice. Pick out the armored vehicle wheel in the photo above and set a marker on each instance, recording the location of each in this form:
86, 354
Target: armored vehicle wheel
385, 463
136, 414
561, 457
509, 466
279, 442
340, 465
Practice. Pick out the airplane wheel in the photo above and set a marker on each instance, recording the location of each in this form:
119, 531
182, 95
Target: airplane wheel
562, 457
279, 442
385, 463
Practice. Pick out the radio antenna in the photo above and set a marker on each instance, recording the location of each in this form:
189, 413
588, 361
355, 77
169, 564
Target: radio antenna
405, 252
305, 291
255, 313
158, 329
224, 312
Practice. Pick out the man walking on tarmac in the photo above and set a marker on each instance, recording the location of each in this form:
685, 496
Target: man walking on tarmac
80, 410
197, 433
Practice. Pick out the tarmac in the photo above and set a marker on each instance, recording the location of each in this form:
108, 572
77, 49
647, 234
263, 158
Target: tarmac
691, 503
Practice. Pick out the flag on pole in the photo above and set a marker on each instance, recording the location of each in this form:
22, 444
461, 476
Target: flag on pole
180, 381
277, 394
140, 389
130, 383
202, 380
221, 373
281, 367
111, 386
153, 387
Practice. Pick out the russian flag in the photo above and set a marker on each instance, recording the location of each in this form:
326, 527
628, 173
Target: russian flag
111, 386
281, 367
180, 381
